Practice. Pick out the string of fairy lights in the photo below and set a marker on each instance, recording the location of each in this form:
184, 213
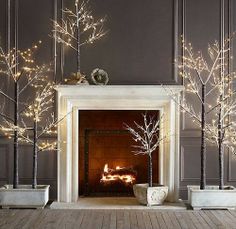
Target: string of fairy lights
146, 135
211, 72
90, 29
38, 109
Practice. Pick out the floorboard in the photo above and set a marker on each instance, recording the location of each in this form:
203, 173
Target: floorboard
160, 220
116, 219
173, 219
126, 220
133, 220
140, 221
214, 219
147, 220
7, 218
224, 218
120, 219
201, 220
167, 220
86, 219
153, 220
21, 219
71, 220
181, 220
207, 219
106, 220
113, 220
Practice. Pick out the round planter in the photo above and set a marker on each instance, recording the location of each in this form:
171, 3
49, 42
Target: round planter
150, 195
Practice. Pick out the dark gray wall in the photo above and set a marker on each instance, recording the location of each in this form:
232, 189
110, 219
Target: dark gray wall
140, 47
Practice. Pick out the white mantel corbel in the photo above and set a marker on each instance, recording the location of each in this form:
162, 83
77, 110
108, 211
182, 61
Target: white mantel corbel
72, 98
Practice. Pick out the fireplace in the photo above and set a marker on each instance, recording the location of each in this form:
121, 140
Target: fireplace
107, 166
72, 100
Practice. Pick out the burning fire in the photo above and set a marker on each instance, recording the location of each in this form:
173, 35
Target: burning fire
119, 174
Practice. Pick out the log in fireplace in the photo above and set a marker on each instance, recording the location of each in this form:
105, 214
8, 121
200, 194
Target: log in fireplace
124, 175
108, 167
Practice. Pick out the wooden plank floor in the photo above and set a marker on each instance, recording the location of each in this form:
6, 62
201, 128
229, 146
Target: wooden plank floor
116, 219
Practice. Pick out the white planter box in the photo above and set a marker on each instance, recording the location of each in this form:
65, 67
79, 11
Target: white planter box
150, 195
24, 196
212, 197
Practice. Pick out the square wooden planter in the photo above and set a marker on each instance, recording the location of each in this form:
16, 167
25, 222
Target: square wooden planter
24, 196
212, 197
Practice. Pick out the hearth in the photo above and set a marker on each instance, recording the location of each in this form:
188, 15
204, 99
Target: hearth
108, 167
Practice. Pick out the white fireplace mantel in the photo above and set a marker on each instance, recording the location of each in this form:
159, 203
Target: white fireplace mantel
73, 98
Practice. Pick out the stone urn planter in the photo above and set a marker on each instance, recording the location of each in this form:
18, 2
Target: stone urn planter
150, 195
24, 196
212, 197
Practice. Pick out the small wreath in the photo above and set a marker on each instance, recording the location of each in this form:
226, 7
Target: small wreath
99, 77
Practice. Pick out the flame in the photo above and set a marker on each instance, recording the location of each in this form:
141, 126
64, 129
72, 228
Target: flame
107, 175
105, 168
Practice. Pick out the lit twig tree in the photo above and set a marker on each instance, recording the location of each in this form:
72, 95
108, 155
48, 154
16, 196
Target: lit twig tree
202, 78
147, 135
78, 28
22, 72
222, 130
37, 110
41, 127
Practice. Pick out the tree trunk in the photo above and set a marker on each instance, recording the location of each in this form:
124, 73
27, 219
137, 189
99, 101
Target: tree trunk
78, 36
35, 156
203, 141
150, 184
221, 167
16, 137
220, 149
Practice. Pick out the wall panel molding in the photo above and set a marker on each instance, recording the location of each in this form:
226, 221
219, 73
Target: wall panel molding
186, 21
178, 6
231, 165
4, 163
186, 177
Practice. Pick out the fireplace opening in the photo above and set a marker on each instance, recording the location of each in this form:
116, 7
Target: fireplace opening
107, 165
